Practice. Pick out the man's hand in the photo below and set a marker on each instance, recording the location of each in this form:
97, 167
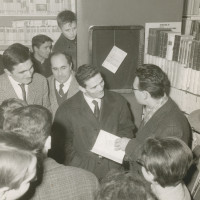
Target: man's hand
121, 143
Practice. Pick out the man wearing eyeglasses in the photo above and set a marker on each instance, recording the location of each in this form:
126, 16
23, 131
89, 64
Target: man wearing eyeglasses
162, 117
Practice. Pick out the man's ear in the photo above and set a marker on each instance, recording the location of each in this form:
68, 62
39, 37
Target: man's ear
47, 144
70, 66
82, 89
146, 95
3, 191
34, 48
7, 72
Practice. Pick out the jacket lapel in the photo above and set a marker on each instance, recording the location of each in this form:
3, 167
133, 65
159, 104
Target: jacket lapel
31, 92
8, 87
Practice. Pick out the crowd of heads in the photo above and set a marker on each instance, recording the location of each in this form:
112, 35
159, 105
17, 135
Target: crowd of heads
26, 129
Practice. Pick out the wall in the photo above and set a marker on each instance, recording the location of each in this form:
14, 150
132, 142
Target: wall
122, 12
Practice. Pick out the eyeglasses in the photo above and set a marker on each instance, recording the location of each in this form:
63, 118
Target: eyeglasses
134, 88
140, 162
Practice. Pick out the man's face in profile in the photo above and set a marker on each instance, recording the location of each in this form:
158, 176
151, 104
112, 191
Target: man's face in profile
94, 87
44, 50
23, 72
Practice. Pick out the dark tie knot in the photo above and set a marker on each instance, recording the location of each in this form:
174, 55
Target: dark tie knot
95, 103
61, 92
61, 85
22, 85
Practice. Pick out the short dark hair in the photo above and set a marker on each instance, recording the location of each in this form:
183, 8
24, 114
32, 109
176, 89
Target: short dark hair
40, 39
119, 185
15, 54
65, 16
67, 56
9, 105
84, 73
32, 121
153, 80
168, 159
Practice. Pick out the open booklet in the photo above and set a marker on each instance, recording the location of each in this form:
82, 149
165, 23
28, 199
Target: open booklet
104, 146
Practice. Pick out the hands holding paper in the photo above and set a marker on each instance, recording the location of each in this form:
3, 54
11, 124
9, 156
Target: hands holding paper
121, 143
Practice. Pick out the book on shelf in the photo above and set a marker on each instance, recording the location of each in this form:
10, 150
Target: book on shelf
170, 44
34, 7
23, 31
191, 7
173, 26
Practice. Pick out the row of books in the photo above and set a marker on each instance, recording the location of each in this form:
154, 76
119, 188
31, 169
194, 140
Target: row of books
191, 27
165, 43
24, 35
180, 75
49, 7
30, 23
174, 46
191, 7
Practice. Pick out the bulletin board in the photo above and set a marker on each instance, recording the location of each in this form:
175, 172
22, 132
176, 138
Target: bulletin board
129, 39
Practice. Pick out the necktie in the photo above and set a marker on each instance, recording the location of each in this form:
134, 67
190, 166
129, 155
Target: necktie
61, 92
96, 109
23, 91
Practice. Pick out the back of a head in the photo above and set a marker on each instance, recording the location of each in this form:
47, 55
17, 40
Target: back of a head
16, 156
9, 105
40, 39
119, 185
14, 55
84, 73
66, 16
168, 159
33, 122
153, 80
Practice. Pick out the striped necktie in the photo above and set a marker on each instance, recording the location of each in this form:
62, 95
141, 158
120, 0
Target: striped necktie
61, 92
22, 85
96, 109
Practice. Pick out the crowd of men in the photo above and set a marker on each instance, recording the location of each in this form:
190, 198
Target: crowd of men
52, 112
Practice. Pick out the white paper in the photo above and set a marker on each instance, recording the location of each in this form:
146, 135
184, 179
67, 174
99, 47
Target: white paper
114, 59
104, 146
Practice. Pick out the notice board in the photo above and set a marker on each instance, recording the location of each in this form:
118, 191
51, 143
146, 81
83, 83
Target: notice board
129, 39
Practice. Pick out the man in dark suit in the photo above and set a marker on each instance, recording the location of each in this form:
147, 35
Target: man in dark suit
19, 79
60, 182
79, 119
62, 84
162, 117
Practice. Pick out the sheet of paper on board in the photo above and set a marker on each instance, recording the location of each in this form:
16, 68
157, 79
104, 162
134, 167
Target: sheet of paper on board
114, 59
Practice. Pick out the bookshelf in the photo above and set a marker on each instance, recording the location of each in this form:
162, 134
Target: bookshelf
177, 53
22, 19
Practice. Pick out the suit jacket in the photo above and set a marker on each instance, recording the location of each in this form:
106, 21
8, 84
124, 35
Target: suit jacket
37, 90
64, 182
78, 128
73, 89
166, 121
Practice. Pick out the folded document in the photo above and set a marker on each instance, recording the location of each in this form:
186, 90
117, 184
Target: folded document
104, 146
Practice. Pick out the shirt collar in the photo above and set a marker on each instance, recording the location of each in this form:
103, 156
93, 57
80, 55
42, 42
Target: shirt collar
65, 84
90, 99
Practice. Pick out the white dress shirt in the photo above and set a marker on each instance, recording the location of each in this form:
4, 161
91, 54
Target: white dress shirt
17, 88
89, 102
66, 85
